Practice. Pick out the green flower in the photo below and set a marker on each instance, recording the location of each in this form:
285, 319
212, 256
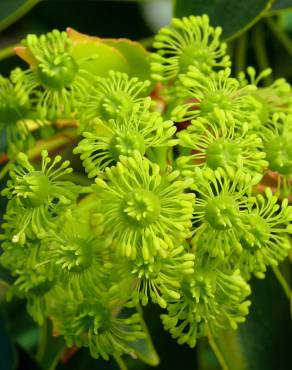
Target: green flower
218, 211
186, 42
160, 278
14, 108
36, 197
34, 283
140, 131
211, 300
275, 98
75, 260
214, 143
265, 239
113, 97
277, 138
91, 323
202, 94
54, 78
15, 256
32, 280
141, 211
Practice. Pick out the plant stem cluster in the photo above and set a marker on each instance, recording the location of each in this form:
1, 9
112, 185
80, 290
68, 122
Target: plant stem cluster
173, 214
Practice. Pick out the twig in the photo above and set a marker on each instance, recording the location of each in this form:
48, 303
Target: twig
7, 52
5, 169
282, 281
241, 48
42, 341
120, 362
281, 36
261, 52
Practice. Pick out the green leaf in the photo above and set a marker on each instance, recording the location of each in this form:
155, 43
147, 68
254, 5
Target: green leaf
12, 10
135, 54
144, 349
229, 346
234, 17
95, 56
263, 341
100, 58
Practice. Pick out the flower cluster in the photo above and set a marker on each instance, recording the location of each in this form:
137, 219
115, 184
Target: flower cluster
175, 210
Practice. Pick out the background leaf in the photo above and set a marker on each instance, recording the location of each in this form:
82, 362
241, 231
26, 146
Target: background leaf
51, 348
263, 341
233, 16
12, 10
8, 359
281, 5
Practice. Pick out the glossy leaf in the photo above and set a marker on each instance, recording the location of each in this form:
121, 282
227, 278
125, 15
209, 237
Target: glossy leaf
233, 16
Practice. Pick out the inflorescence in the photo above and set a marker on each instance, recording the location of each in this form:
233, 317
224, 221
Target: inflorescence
181, 218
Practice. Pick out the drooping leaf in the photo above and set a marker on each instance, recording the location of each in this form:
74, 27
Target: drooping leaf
233, 16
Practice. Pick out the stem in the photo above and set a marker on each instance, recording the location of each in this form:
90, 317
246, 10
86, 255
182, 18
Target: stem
290, 255
7, 51
261, 52
5, 169
18, 13
282, 281
241, 48
216, 350
120, 362
55, 143
42, 342
281, 36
